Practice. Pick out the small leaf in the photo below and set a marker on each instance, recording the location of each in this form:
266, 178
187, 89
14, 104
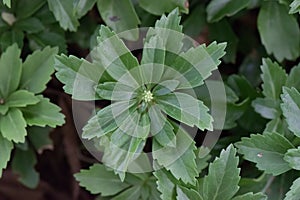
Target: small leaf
157, 7
251, 196
165, 184
217, 9
7, 3
267, 107
6, 147
292, 156
294, 192
23, 164
293, 78
279, 31
21, 98
291, 109
37, 70
30, 25
222, 180
10, 71
295, 7
186, 109
179, 160
274, 77
43, 113
12, 126
97, 179
184, 193
3, 109
120, 16
267, 151
63, 12
115, 91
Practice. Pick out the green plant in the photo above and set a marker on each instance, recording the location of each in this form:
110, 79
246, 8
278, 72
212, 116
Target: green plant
23, 109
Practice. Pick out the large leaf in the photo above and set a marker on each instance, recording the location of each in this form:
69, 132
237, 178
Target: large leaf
294, 192
81, 7
120, 16
184, 193
23, 164
179, 160
165, 184
37, 70
251, 196
186, 109
279, 31
158, 7
97, 179
6, 147
63, 12
217, 9
10, 71
267, 151
222, 180
292, 156
274, 77
21, 98
43, 113
291, 109
12, 126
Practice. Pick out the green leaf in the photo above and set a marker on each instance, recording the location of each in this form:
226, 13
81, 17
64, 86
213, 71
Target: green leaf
293, 78
63, 12
186, 109
81, 7
37, 70
43, 113
157, 7
295, 7
274, 77
23, 164
30, 25
222, 180
25, 10
40, 139
267, 107
217, 9
116, 91
21, 98
294, 192
179, 160
132, 193
279, 31
3, 109
120, 16
165, 184
97, 179
107, 120
6, 147
184, 193
79, 76
292, 156
10, 37
12, 126
10, 71
291, 109
7, 3
251, 196
267, 151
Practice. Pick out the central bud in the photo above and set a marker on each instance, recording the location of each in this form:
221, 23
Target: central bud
147, 96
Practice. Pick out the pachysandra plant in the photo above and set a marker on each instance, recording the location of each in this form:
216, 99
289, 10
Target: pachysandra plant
23, 108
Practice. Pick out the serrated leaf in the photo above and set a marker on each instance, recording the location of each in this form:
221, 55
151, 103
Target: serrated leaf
179, 160
7, 3
37, 70
186, 109
158, 7
184, 193
267, 107
6, 147
79, 76
10, 71
63, 12
274, 77
251, 196
97, 179
81, 7
291, 109
267, 151
279, 31
120, 16
23, 164
222, 180
294, 192
165, 184
21, 98
217, 9
293, 78
107, 120
44, 113
12, 126
292, 156
295, 7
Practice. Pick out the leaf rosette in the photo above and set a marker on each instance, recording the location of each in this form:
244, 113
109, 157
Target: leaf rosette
151, 98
